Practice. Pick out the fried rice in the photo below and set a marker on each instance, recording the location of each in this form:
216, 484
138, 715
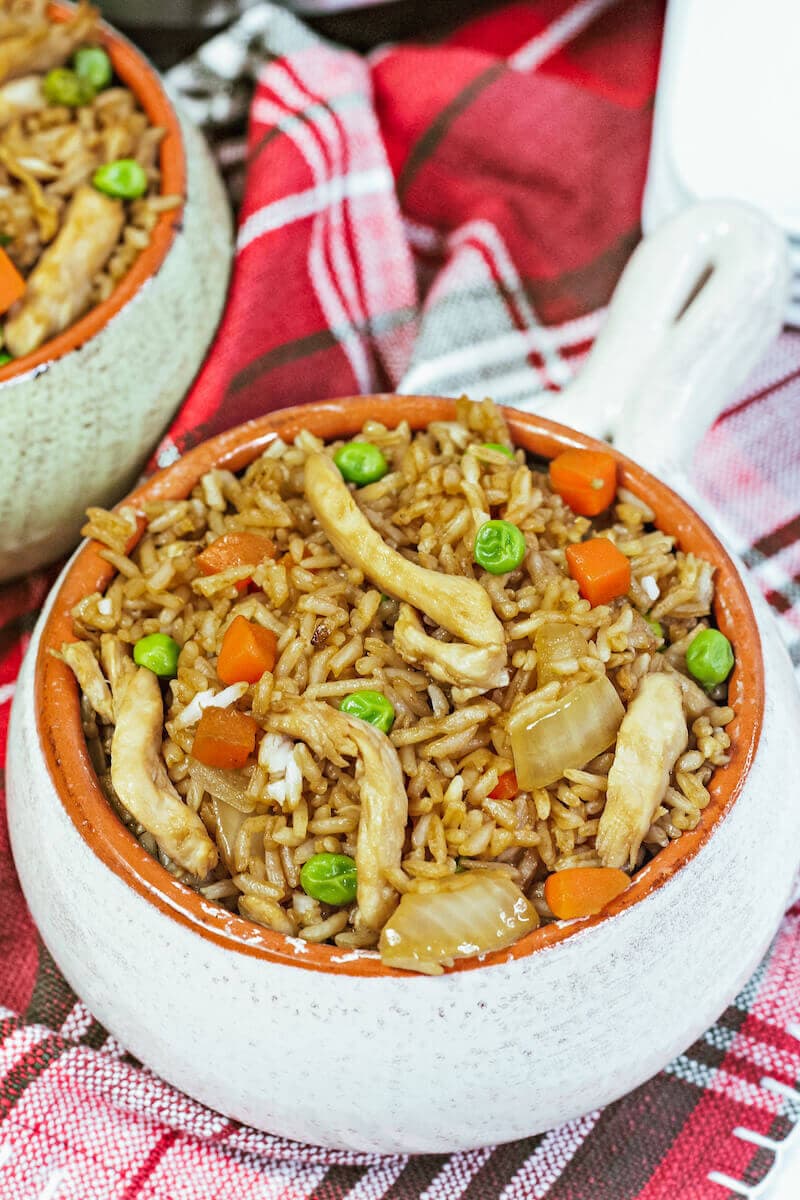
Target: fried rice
49, 153
300, 795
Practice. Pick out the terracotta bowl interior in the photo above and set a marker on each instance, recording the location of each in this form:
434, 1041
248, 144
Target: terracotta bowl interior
68, 762
142, 79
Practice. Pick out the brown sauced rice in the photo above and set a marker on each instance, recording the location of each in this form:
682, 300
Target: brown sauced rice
49, 152
335, 635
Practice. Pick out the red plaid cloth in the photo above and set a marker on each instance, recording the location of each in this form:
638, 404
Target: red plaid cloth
443, 218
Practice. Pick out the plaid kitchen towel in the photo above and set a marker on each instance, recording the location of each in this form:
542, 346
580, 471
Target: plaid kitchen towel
441, 217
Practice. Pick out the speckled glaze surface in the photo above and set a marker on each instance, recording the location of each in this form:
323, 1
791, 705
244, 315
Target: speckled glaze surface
160, 967
79, 417
569, 1018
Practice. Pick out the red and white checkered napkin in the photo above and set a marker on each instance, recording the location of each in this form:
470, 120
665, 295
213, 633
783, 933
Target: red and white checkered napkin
443, 218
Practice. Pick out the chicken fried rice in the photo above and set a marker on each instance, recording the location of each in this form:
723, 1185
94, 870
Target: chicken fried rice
399, 694
79, 173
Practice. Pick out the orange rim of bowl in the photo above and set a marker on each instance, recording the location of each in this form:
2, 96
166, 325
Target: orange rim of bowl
142, 79
67, 759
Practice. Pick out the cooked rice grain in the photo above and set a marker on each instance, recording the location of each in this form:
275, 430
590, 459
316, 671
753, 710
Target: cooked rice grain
334, 634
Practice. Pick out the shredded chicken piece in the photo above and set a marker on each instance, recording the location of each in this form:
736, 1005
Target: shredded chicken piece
44, 210
461, 606
20, 98
118, 665
18, 15
695, 700
80, 658
478, 667
652, 735
59, 287
382, 824
384, 803
141, 782
318, 726
44, 45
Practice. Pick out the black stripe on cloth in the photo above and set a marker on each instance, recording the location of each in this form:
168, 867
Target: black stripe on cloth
95, 1037
338, 1182
313, 343
280, 356
53, 998
761, 394
500, 1168
772, 543
433, 135
33, 1063
584, 289
7, 1026
309, 116
615, 1151
708, 1054
141, 1176
417, 1175
14, 630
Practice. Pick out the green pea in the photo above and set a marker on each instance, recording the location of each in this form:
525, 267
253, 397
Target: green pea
499, 547
5, 357
93, 66
126, 179
330, 878
370, 706
710, 657
361, 462
500, 449
656, 626
159, 653
63, 86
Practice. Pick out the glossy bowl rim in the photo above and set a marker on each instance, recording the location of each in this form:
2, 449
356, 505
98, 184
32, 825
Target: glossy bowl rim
73, 778
143, 80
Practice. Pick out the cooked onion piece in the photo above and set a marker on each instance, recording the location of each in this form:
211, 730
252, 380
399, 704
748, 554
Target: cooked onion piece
559, 647
651, 737
566, 735
470, 914
228, 785
229, 822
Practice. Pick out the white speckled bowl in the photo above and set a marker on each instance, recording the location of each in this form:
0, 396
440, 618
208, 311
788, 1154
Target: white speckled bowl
569, 1018
79, 416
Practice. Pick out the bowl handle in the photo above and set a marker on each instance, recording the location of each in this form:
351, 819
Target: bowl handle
696, 307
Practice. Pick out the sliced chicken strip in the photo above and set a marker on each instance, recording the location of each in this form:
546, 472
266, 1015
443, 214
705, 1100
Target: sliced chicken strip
44, 210
382, 824
19, 16
695, 700
461, 606
651, 737
59, 287
479, 667
317, 725
117, 664
142, 785
46, 45
384, 803
80, 658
